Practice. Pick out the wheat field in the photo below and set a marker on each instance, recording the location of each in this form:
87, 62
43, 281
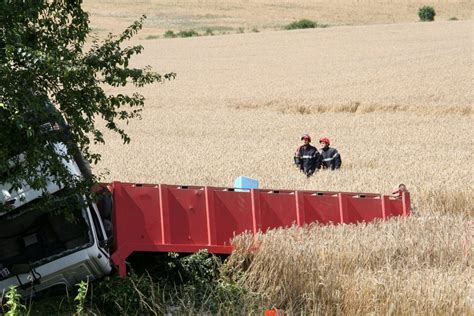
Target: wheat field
385, 268
228, 16
396, 101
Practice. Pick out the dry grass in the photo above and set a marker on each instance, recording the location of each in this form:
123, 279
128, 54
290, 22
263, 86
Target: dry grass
395, 99
418, 265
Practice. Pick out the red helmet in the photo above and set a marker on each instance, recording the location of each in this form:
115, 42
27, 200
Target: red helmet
324, 140
306, 136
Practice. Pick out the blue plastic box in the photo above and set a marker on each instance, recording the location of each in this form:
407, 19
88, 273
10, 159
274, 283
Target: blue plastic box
245, 183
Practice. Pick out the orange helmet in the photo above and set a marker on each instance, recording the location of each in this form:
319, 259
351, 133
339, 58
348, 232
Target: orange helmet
324, 140
306, 136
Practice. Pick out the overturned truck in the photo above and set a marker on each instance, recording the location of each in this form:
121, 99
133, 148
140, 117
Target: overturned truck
42, 249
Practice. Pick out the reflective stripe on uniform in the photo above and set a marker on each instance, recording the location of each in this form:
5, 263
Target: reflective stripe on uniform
329, 159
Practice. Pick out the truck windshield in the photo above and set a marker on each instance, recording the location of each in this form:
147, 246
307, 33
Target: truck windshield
30, 236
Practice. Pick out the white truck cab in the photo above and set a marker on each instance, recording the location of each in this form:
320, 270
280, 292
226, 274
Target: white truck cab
40, 249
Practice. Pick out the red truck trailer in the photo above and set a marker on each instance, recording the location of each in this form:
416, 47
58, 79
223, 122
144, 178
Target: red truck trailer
173, 218
40, 250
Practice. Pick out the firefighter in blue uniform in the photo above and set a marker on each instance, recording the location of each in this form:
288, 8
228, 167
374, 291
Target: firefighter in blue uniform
307, 157
331, 159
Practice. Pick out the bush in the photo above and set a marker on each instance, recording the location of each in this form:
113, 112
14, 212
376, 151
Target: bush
301, 24
115, 296
187, 33
190, 33
175, 284
209, 32
426, 13
202, 287
169, 34
149, 37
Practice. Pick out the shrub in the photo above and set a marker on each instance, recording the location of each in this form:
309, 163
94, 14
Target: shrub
426, 13
152, 37
453, 18
209, 32
169, 34
174, 284
189, 33
255, 30
201, 286
116, 296
301, 24
186, 33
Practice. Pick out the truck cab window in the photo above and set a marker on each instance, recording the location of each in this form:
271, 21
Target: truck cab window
98, 227
34, 236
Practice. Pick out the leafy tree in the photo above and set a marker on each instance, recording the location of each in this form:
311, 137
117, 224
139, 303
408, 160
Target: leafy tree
44, 61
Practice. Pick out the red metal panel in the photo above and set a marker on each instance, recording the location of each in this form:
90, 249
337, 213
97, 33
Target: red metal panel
187, 216
232, 214
406, 203
136, 214
277, 209
136, 220
395, 206
360, 208
321, 207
